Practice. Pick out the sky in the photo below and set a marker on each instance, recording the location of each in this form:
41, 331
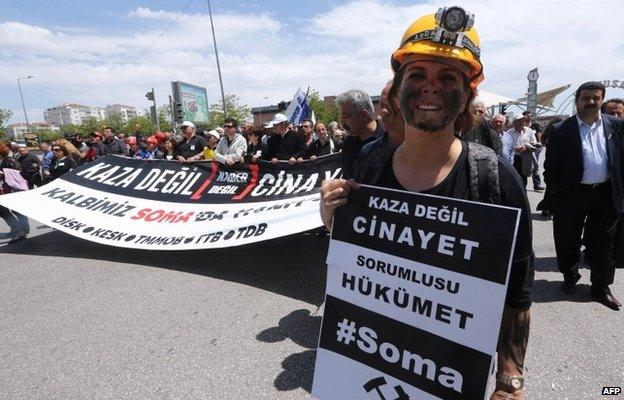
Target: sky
101, 52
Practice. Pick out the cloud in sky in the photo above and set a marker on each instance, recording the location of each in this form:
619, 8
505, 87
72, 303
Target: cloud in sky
263, 54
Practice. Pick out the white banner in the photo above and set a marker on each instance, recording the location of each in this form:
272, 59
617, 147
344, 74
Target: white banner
164, 205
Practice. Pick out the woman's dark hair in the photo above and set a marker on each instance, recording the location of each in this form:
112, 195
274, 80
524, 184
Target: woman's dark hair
231, 121
63, 149
464, 122
256, 132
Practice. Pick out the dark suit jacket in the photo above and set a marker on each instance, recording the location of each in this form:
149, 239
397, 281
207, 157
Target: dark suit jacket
563, 167
292, 144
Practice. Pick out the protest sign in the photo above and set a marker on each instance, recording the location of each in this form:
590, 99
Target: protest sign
166, 205
416, 287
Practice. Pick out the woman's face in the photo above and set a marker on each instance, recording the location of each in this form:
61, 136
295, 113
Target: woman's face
431, 95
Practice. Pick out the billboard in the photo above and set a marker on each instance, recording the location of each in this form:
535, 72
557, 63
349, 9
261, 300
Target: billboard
191, 102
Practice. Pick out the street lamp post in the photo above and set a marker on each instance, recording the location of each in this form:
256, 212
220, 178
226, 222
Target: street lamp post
214, 41
22, 98
260, 109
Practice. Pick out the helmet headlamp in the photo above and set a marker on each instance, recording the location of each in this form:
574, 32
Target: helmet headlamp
454, 19
451, 22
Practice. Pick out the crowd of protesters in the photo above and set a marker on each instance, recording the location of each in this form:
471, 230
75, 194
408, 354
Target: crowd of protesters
229, 144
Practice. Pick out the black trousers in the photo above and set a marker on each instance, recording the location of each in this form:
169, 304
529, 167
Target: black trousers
589, 208
517, 163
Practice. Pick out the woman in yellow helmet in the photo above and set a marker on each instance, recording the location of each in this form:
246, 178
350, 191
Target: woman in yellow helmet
437, 70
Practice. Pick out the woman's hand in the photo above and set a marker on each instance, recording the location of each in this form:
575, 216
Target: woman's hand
334, 194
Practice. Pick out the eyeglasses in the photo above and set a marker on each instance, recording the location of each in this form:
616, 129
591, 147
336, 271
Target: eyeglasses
228, 126
57, 150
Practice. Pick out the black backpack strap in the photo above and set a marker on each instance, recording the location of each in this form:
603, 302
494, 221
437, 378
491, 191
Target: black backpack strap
483, 174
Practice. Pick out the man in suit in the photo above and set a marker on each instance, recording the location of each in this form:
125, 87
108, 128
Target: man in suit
583, 171
285, 143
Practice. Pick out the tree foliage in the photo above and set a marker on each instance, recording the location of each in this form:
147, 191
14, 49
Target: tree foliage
234, 110
5, 115
323, 111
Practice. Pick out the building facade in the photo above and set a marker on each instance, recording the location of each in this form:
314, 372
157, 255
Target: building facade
17, 131
76, 114
66, 114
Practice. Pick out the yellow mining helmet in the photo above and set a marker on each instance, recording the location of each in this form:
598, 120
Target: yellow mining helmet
448, 34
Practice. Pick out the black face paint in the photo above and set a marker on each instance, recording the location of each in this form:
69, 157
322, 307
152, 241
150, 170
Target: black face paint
420, 119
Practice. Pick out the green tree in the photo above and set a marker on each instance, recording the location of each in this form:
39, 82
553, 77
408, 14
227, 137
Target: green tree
114, 121
164, 118
47, 135
5, 115
90, 125
234, 110
146, 126
323, 111
69, 130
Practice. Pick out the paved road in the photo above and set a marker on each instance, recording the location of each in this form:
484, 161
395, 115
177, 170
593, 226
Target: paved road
84, 321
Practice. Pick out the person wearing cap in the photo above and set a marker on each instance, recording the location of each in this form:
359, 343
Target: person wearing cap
232, 146
150, 151
537, 129
358, 117
434, 84
212, 137
133, 146
518, 144
191, 144
285, 143
112, 144
94, 145
15, 153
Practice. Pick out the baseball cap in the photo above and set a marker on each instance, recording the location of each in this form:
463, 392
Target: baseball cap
214, 134
277, 119
517, 117
188, 123
152, 139
160, 136
131, 140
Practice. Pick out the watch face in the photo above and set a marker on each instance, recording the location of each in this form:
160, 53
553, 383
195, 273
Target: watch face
515, 383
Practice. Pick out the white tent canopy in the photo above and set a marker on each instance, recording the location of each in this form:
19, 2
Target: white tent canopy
491, 99
545, 99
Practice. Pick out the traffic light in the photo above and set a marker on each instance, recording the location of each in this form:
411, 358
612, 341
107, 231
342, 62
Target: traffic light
150, 95
503, 108
179, 112
154, 115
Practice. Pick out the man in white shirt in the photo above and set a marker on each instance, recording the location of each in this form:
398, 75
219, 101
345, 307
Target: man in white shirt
232, 146
518, 143
583, 174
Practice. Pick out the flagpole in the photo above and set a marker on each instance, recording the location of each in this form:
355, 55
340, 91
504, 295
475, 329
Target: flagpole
214, 40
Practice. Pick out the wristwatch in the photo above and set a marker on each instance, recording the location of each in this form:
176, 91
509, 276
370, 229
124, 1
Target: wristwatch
515, 382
